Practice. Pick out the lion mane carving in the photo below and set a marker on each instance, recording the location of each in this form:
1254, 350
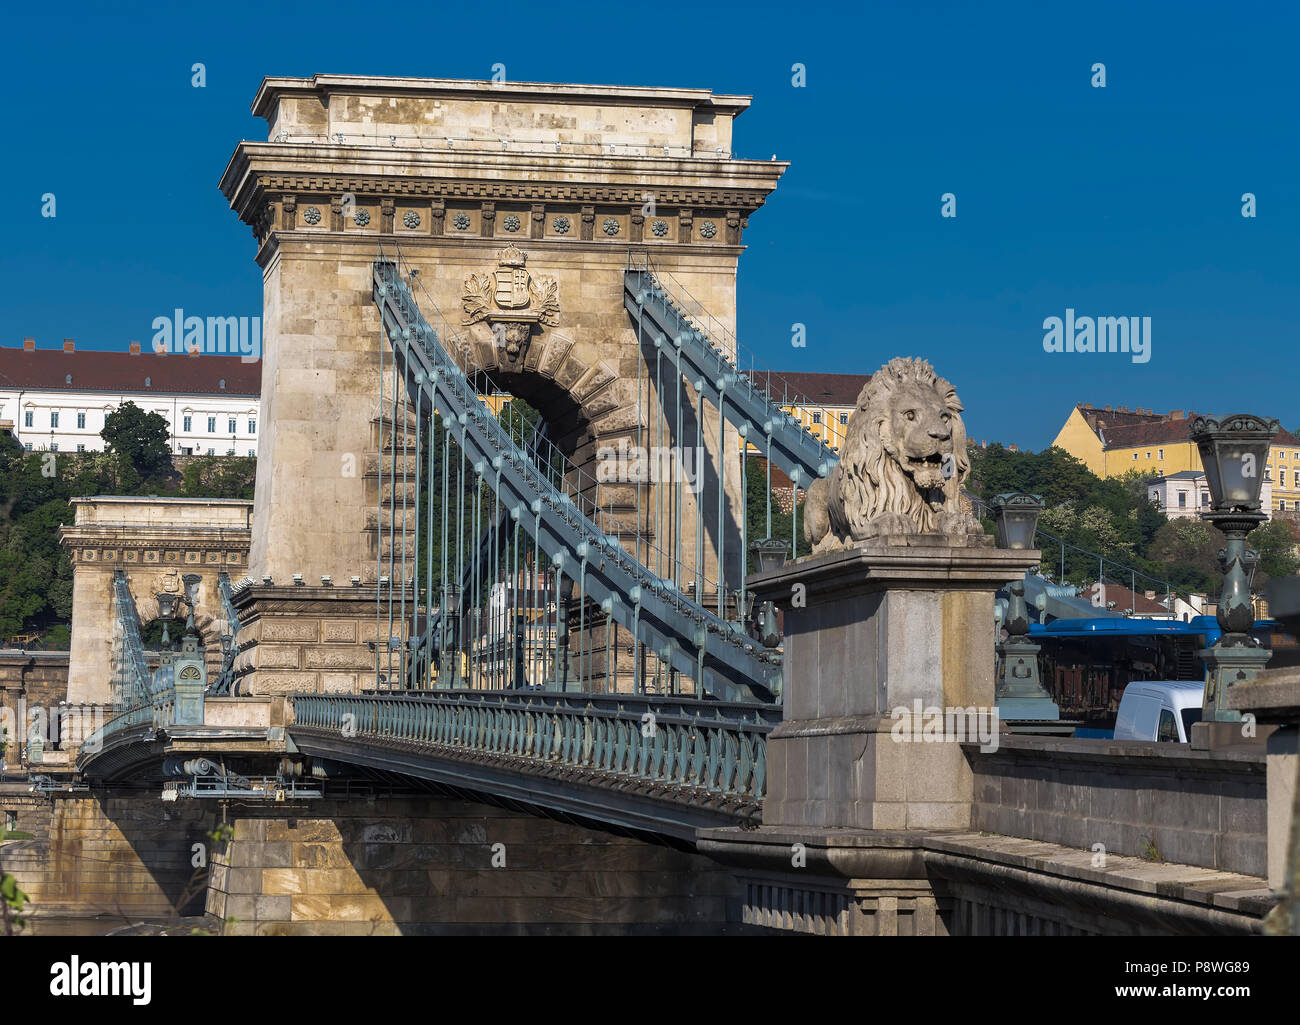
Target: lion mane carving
902, 464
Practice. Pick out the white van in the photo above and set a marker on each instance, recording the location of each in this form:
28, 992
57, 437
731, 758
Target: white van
1159, 710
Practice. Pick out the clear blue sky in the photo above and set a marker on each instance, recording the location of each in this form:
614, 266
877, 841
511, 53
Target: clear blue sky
1122, 201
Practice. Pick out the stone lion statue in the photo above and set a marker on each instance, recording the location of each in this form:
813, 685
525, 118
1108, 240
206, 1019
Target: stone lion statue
902, 464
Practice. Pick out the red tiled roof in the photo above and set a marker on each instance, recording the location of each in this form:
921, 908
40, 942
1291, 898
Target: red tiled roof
824, 389
1126, 599
1157, 432
1115, 417
1166, 432
91, 370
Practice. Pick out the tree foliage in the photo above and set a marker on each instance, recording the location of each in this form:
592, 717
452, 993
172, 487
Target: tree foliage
1114, 519
35, 493
140, 442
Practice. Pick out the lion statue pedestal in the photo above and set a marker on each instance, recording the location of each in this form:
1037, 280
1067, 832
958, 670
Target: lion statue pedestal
894, 606
893, 611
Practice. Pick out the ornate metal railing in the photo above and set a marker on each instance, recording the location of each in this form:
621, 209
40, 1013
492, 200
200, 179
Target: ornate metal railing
756, 401
155, 714
141, 696
131, 676
714, 746
229, 637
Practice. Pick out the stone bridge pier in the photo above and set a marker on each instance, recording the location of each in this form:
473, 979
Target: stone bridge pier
518, 204
155, 541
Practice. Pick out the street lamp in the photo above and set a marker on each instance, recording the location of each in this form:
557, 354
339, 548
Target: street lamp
768, 553
450, 633
1020, 692
1016, 516
1234, 451
562, 630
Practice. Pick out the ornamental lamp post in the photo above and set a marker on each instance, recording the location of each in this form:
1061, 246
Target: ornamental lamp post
1020, 692
562, 632
450, 632
1234, 451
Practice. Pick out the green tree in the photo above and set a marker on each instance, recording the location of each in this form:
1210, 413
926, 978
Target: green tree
1276, 543
219, 477
140, 442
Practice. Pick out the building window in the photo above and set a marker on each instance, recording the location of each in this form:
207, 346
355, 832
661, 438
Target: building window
1135, 455
1297, 479
81, 421
211, 452
27, 420
54, 419
817, 418
1148, 455
212, 425
230, 425
1205, 499
844, 418
28, 446
187, 424
1268, 475
230, 451
1182, 500
54, 446
81, 448
1281, 506
1160, 453
252, 426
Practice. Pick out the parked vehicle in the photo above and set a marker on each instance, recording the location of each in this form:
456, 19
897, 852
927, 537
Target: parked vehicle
1161, 710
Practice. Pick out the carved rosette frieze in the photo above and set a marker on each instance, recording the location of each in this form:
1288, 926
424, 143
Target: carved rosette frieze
280, 196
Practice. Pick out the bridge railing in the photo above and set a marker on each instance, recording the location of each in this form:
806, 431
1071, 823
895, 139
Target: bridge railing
717, 747
157, 714
770, 397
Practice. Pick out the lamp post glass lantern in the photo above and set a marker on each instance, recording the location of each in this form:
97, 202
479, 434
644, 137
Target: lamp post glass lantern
1016, 515
1020, 692
1234, 451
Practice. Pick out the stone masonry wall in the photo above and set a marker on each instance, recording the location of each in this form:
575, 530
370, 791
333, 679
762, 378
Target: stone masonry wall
1158, 801
426, 866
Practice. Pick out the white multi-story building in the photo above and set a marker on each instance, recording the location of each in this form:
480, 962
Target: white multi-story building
57, 399
1187, 494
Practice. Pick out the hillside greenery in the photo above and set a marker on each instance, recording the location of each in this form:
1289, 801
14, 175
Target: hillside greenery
35, 491
1114, 519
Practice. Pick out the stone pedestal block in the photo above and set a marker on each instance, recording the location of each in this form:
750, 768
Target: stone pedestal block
1273, 697
889, 666
314, 639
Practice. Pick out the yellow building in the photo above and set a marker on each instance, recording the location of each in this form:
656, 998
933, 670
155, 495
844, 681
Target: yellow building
1113, 442
822, 403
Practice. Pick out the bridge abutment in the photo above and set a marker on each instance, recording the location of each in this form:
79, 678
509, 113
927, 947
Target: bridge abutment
879, 644
429, 866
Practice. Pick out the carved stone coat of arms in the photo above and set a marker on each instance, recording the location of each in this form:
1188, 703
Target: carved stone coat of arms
511, 301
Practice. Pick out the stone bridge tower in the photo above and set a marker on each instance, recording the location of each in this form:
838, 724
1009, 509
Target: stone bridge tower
507, 197
155, 542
